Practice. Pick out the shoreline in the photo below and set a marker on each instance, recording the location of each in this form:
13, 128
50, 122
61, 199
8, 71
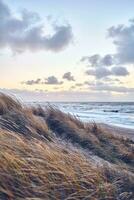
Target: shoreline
118, 131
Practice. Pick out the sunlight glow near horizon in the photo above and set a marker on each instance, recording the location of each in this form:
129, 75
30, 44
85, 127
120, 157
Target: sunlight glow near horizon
89, 21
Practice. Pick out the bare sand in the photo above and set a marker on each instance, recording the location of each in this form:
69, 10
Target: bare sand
119, 131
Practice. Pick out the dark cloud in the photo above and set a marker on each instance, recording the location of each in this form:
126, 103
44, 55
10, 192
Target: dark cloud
73, 87
97, 60
32, 82
26, 32
103, 72
107, 60
101, 67
87, 83
79, 84
93, 60
68, 76
119, 71
99, 72
123, 39
112, 80
52, 80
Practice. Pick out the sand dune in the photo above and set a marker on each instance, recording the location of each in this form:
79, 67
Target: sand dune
119, 131
46, 154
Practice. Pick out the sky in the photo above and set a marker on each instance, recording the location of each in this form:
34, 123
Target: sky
67, 50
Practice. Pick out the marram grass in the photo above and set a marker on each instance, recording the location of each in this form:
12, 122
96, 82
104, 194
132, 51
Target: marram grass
46, 154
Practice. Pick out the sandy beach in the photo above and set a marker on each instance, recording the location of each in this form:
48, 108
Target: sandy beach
118, 131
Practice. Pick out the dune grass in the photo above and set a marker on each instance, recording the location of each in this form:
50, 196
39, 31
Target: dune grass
42, 156
91, 137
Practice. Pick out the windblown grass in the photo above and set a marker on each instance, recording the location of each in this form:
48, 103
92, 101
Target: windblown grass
20, 119
42, 157
91, 137
7, 104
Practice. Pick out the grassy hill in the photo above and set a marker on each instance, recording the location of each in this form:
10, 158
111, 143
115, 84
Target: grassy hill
47, 154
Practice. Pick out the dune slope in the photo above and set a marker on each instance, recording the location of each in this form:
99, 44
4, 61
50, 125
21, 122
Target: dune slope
46, 154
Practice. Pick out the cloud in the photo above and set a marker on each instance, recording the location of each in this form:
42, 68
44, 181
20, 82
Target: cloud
107, 60
123, 39
99, 72
26, 32
112, 88
26, 95
93, 60
97, 60
102, 72
79, 84
73, 87
94, 95
88, 83
116, 64
119, 71
52, 80
32, 82
68, 76
108, 86
4, 11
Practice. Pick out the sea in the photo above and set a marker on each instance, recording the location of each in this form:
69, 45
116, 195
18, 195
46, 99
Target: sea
113, 113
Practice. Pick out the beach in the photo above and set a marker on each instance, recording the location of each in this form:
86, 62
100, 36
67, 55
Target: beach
119, 131
49, 154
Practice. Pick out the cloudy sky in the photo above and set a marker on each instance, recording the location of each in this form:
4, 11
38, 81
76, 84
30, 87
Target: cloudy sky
67, 50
